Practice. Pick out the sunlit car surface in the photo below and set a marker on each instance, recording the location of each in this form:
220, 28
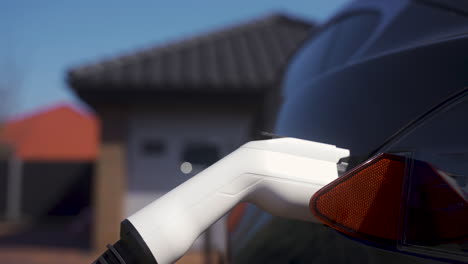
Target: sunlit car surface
379, 77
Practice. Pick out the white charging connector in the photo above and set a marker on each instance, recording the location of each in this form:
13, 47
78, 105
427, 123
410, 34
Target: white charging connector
278, 175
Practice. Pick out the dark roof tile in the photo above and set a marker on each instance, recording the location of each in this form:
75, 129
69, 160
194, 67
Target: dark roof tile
246, 56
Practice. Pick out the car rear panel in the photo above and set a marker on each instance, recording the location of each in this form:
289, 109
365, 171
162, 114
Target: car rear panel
393, 79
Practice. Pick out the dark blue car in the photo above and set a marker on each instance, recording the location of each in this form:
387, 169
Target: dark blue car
380, 77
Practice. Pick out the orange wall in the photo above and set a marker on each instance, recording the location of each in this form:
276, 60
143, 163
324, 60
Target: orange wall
59, 133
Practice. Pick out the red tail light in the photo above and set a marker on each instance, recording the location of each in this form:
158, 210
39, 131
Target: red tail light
365, 202
371, 202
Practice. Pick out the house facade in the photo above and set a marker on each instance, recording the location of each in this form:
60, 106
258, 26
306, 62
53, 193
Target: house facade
171, 110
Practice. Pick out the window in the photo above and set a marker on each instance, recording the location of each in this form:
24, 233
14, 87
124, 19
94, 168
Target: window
332, 47
442, 142
153, 147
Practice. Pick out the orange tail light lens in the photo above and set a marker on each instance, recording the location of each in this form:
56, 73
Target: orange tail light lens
365, 202
371, 202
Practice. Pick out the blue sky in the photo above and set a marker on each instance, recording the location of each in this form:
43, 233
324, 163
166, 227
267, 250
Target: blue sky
40, 40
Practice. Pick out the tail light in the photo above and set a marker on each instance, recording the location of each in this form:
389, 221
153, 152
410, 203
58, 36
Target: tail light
392, 200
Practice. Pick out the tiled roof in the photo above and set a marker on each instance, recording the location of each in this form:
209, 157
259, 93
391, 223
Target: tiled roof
58, 133
246, 56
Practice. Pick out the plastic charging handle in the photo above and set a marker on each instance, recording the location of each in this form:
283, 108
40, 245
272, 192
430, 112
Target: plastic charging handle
278, 175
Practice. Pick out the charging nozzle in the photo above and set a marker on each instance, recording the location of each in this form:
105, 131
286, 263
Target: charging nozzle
278, 175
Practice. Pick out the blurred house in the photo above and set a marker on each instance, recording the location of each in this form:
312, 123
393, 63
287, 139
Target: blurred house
46, 178
169, 111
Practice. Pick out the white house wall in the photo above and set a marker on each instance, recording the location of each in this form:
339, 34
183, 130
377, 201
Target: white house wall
168, 132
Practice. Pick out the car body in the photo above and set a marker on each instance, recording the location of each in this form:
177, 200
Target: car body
380, 76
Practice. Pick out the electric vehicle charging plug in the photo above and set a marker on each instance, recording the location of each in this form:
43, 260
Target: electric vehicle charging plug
278, 175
